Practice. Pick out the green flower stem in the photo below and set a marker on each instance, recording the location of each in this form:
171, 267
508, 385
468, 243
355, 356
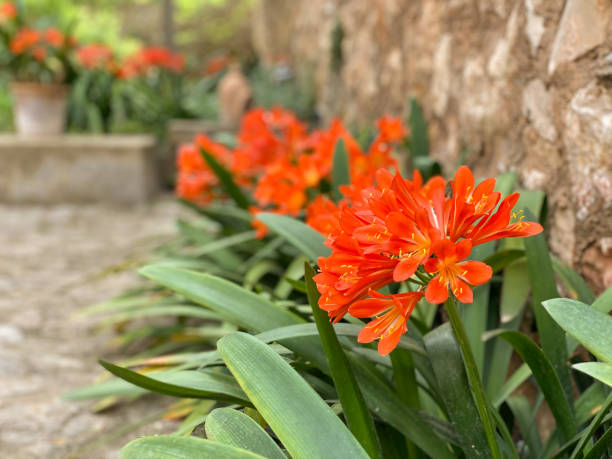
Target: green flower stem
473, 376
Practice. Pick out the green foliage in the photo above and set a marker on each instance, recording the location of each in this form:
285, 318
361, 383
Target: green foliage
244, 331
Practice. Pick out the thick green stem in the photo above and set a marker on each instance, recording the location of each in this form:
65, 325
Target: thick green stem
473, 376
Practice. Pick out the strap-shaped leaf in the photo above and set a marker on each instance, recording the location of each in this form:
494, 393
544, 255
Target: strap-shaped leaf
297, 233
588, 432
573, 281
524, 416
419, 138
189, 384
547, 379
172, 447
226, 180
590, 327
340, 169
388, 406
237, 305
303, 422
354, 407
341, 329
603, 303
234, 428
598, 370
601, 447
255, 313
544, 287
455, 391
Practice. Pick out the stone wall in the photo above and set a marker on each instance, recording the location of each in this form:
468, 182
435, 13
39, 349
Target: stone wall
525, 85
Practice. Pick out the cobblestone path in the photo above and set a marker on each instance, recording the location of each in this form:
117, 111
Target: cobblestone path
51, 259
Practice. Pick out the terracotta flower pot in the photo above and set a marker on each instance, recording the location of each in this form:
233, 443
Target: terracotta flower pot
39, 108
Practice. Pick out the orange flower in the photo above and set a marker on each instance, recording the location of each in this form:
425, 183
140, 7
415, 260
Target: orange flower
54, 37
391, 325
453, 273
146, 59
96, 56
323, 215
215, 65
23, 40
391, 129
497, 225
39, 53
348, 274
404, 230
8, 11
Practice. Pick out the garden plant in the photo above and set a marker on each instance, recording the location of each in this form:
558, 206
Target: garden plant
338, 298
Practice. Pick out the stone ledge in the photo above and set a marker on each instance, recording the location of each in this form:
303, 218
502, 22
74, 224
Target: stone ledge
77, 168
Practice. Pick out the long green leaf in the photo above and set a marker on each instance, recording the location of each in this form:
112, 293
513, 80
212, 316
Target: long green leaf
515, 290
603, 303
187, 384
406, 386
340, 329
237, 305
196, 417
598, 370
455, 390
475, 315
226, 180
340, 169
389, 407
524, 418
170, 310
590, 327
574, 282
354, 407
112, 387
303, 422
547, 379
172, 447
234, 428
233, 302
297, 233
599, 449
543, 287
256, 313
419, 138
588, 432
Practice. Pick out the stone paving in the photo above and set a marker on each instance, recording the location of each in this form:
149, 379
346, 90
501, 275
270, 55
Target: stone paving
51, 260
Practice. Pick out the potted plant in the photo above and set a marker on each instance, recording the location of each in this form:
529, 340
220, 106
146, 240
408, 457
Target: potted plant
93, 90
39, 63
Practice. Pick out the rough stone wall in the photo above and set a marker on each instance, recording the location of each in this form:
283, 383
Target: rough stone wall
525, 85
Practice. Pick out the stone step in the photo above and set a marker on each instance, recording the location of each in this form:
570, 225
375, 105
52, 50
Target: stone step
118, 169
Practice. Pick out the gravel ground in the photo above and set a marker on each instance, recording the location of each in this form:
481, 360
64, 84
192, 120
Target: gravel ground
51, 262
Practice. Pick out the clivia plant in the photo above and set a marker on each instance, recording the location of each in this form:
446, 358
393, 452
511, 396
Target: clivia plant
353, 357
39, 62
31, 54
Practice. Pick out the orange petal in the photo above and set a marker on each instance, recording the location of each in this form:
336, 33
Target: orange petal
462, 291
405, 269
368, 307
389, 341
475, 272
436, 291
463, 249
367, 333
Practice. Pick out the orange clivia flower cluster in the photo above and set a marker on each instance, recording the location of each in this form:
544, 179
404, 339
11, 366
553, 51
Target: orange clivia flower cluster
37, 42
8, 12
154, 57
96, 56
280, 161
406, 230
